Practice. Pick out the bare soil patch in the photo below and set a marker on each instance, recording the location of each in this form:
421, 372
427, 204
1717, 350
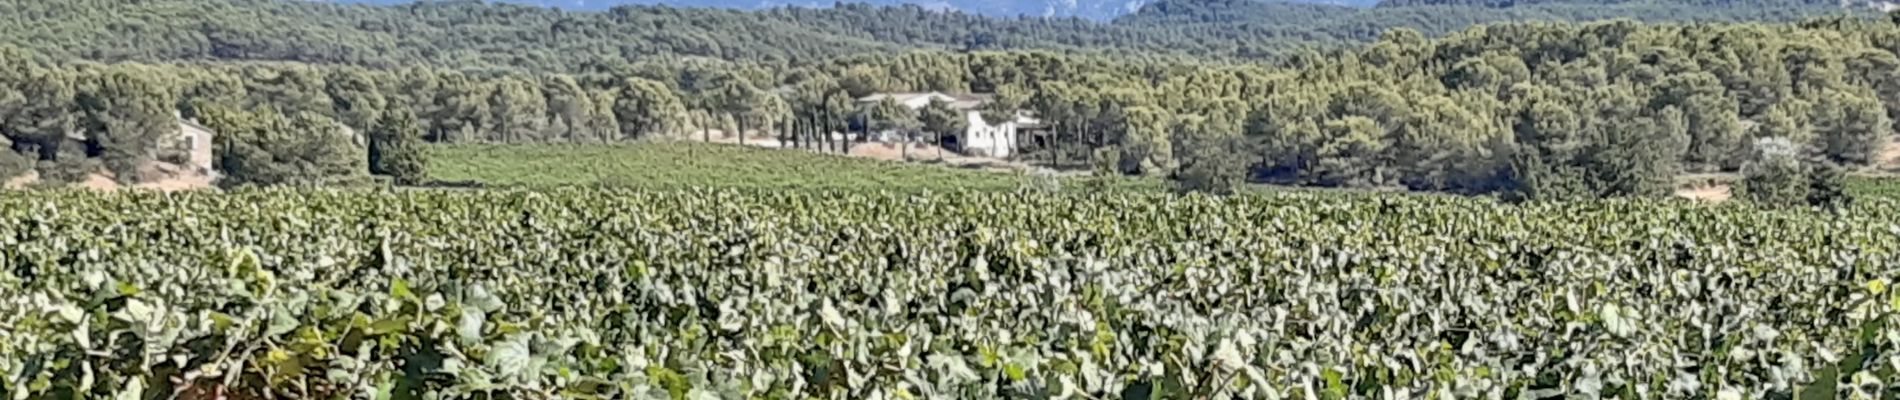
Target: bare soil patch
21, 181
1889, 156
155, 176
1712, 194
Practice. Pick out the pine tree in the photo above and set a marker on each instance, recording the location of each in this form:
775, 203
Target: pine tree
643, 107
940, 119
44, 121
1775, 175
359, 104
518, 112
459, 107
568, 107
1210, 163
396, 149
602, 123
836, 108
737, 97
889, 116
1546, 153
768, 113
124, 117
1349, 156
1850, 127
1147, 144
268, 148
324, 151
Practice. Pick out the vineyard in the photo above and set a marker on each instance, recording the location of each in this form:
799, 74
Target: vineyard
1867, 187
688, 165
724, 294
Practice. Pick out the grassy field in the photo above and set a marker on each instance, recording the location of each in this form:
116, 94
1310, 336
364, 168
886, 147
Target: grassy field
1874, 186
698, 165
680, 165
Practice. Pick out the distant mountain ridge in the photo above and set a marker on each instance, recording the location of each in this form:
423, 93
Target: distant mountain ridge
1090, 9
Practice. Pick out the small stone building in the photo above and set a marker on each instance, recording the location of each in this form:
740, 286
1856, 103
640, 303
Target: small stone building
191, 147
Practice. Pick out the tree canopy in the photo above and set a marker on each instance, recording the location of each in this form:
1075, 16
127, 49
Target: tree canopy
487, 35
1534, 110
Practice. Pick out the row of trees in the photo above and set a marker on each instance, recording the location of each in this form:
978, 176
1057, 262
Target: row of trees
1532, 111
70, 126
68, 123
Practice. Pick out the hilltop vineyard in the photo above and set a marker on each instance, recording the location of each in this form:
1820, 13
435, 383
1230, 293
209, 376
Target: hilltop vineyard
729, 294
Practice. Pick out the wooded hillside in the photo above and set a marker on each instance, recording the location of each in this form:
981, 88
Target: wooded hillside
472, 34
1533, 110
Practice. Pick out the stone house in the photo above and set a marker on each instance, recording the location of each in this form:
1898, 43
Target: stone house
190, 148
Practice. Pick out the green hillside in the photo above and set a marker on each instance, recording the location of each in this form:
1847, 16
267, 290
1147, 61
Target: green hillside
467, 34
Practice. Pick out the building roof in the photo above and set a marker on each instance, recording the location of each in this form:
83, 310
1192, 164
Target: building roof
899, 97
959, 101
191, 123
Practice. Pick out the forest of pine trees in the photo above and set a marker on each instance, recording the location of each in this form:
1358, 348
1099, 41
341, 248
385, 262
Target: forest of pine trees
470, 34
1546, 110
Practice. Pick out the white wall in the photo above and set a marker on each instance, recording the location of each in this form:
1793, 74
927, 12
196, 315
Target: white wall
980, 139
197, 143
924, 101
983, 139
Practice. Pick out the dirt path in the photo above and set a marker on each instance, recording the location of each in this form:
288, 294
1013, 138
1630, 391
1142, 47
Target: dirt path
1718, 188
154, 180
1889, 157
918, 152
1713, 194
21, 181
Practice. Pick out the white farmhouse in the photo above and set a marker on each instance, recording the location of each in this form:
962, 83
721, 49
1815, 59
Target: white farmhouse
981, 138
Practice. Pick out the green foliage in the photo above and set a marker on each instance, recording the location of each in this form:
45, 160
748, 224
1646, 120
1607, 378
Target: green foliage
124, 116
1828, 186
888, 115
689, 165
1777, 176
68, 163
1781, 174
1007, 101
266, 148
517, 112
41, 114
940, 119
1525, 110
1871, 187
1851, 128
1147, 145
396, 149
1347, 153
12, 163
709, 293
1212, 164
642, 107
490, 35
359, 104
